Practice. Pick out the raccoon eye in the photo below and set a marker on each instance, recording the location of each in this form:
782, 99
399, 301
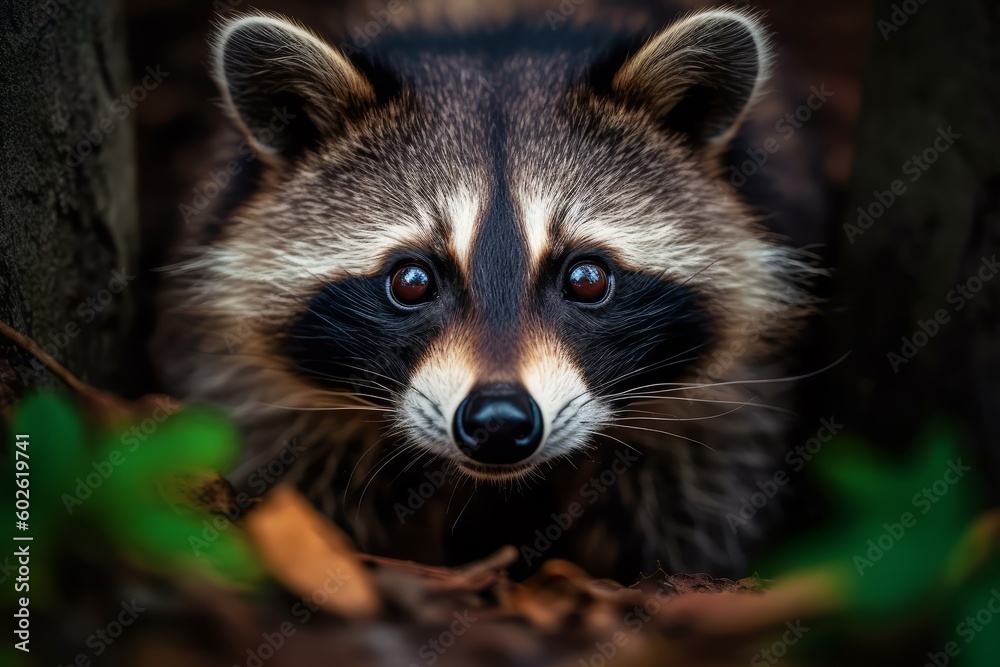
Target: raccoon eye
411, 285
587, 282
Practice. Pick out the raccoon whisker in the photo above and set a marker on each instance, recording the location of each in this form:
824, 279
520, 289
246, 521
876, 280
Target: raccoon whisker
411, 464
375, 400
362, 369
368, 383
618, 440
642, 399
639, 412
534, 475
521, 483
402, 385
509, 489
673, 361
397, 432
586, 444
363, 383
320, 376
684, 419
682, 386
420, 455
455, 476
362, 408
653, 430
451, 497
595, 392
648, 386
464, 507
651, 367
568, 456
371, 388
359, 398
669, 387
361, 458
403, 449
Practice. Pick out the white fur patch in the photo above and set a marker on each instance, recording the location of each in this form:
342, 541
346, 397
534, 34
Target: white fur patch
464, 210
436, 389
570, 412
536, 216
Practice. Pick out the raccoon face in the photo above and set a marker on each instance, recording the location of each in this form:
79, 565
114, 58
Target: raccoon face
500, 246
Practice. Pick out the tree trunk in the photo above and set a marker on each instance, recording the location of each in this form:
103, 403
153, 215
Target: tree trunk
929, 128
68, 225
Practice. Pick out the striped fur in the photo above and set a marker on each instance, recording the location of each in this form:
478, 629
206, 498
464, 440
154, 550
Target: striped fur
499, 159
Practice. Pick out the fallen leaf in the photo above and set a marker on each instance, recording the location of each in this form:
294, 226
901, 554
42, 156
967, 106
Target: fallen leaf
310, 556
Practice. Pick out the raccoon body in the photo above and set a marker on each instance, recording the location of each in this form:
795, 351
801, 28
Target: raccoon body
471, 294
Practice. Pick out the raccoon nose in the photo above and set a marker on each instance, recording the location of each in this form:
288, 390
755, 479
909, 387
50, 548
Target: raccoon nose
498, 424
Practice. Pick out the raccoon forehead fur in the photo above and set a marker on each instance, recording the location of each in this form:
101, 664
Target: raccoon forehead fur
496, 160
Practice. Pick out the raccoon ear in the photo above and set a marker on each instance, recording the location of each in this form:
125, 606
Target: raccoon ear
285, 87
700, 74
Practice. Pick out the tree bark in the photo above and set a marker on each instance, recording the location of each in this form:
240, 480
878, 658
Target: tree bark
919, 346
68, 226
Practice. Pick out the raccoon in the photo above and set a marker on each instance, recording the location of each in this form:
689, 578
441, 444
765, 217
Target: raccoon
469, 293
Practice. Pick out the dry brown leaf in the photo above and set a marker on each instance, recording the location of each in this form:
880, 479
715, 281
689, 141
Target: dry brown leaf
738, 614
310, 556
472, 578
550, 598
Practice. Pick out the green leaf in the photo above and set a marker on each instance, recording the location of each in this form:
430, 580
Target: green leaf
56, 455
977, 627
96, 487
897, 522
147, 526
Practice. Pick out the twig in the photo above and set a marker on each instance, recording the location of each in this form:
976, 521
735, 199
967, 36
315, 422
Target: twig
103, 406
54, 367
